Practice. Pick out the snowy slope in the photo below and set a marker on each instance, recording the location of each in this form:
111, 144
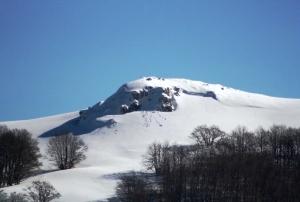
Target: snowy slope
150, 109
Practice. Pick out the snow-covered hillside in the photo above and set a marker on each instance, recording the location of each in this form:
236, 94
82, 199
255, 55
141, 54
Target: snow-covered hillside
150, 109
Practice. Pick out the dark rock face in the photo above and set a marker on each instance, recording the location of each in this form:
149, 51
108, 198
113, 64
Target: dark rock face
149, 98
124, 109
209, 94
134, 106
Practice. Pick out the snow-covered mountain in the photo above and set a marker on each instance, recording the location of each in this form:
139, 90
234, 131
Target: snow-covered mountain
118, 130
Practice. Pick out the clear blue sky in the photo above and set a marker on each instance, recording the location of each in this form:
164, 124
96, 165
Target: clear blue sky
61, 56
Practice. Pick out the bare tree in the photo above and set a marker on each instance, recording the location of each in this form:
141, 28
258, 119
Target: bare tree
206, 137
244, 140
42, 191
66, 150
262, 139
153, 157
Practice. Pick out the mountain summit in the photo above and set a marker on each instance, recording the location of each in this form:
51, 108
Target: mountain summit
148, 94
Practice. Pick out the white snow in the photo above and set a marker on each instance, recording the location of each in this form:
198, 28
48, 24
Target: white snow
119, 147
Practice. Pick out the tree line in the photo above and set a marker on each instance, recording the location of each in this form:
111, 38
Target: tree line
260, 166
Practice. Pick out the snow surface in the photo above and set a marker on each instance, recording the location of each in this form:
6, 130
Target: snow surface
119, 146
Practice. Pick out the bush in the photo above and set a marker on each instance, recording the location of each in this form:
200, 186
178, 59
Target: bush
41, 191
3, 196
13, 197
17, 197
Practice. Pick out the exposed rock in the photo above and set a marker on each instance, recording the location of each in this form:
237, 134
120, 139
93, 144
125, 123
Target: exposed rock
124, 109
167, 107
134, 106
176, 91
135, 95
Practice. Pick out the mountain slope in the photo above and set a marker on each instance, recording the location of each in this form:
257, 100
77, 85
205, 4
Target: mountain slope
150, 109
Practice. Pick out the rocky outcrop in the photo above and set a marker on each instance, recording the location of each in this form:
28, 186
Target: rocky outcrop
161, 99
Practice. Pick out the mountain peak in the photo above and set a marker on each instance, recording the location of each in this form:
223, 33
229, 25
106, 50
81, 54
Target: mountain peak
148, 94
